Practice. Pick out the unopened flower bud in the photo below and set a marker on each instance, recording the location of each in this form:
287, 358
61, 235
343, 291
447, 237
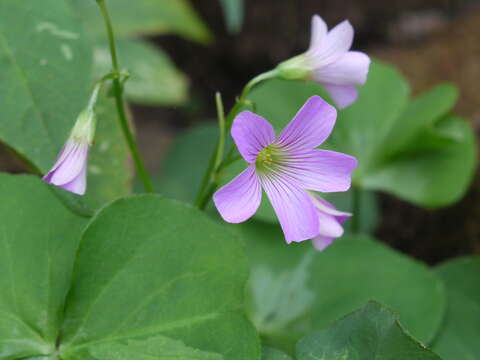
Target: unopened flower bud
70, 170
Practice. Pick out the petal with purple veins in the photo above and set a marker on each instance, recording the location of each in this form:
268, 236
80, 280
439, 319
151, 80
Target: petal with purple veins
319, 170
310, 127
293, 206
79, 184
251, 133
69, 165
240, 198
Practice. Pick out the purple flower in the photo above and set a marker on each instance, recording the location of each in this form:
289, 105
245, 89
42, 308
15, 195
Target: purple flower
286, 167
70, 170
329, 62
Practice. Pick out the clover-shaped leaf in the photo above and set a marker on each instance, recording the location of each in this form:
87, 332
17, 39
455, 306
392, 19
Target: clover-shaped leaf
294, 289
147, 271
373, 332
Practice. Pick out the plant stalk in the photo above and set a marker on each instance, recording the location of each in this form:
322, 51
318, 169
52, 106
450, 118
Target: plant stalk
356, 199
120, 104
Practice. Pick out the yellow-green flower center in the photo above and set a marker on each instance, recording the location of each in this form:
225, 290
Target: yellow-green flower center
268, 157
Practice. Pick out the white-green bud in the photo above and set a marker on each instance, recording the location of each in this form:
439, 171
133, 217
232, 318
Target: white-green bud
296, 68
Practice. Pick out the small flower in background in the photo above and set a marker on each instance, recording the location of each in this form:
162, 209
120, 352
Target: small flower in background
70, 170
329, 62
286, 167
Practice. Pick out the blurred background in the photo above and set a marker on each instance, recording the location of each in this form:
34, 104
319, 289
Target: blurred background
430, 41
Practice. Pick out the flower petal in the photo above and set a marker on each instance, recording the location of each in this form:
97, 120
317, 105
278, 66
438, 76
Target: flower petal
350, 69
70, 163
319, 31
293, 206
310, 127
328, 225
319, 170
66, 150
324, 206
251, 133
342, 95
321, 242
337, 42
240, 198
79, 184
330, 222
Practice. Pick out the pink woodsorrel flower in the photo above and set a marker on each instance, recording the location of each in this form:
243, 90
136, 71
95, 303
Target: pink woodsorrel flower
286, 167
329, 62
70, 170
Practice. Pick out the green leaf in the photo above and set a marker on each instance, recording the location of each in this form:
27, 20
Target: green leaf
146, 17
412, 148
143, 269
110, 173
153, 80
295, 289
269, 353
372, 332
458, 337
158, 347
435, 177
45, 72
38, 240
233, 11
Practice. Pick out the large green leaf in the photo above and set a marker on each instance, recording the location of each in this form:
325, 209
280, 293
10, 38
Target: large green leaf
371, 333
146, 17
458, 337
295, 289
153, 80
38, 240
274, 354
145, 269
411, 148
45, 72
158, 347
47, 78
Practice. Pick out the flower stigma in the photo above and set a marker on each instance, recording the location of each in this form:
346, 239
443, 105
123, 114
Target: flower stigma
268, 157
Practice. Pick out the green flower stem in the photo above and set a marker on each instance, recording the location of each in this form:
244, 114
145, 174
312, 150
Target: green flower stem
215, 159
212, 175
356, 198
222, 135
118, 93
246, 91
